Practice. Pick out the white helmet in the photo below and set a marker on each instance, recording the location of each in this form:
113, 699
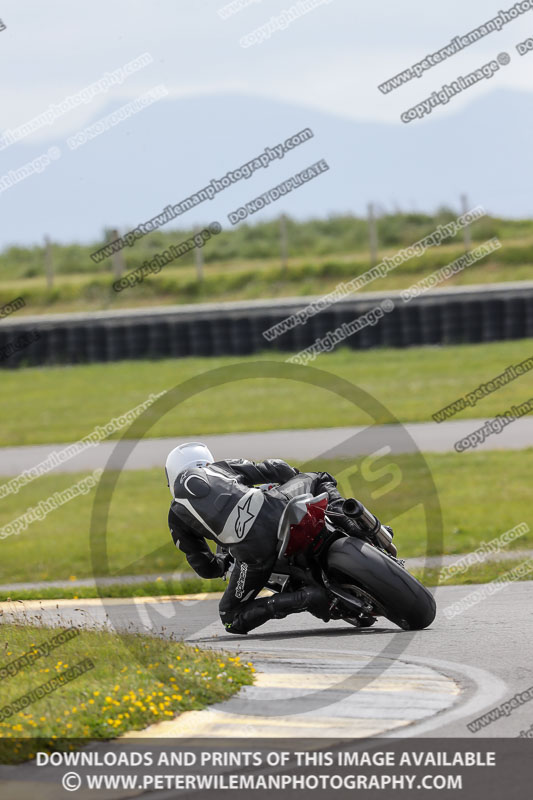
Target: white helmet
190, 454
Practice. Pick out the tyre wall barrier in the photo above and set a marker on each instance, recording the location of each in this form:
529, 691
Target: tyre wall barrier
476, 314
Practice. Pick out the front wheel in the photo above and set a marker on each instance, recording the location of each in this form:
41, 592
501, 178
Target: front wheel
397, 595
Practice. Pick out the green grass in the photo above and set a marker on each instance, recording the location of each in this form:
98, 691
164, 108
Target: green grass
243, 262
153, 588
335, 236
430, 576
478, 573
136, 680
157, 587
481, 496
62, 404
245, 281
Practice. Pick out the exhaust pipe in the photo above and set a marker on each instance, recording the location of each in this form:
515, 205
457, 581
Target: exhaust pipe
369, 523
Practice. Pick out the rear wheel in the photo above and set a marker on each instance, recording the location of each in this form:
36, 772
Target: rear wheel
367, 572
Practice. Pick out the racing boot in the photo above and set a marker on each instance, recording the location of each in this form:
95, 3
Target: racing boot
310, 598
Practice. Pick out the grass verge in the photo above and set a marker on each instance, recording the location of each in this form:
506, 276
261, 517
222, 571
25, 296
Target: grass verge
263, 279
43, 405
155, 588
478, 573
136, 680
481, 495
244, 262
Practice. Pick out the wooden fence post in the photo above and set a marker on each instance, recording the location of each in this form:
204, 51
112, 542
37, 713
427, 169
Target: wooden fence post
48, 263
284, 243
117, 259
466, 230
372, 235
199, 259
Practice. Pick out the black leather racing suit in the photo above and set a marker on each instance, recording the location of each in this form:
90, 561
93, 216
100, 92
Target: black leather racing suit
219, 502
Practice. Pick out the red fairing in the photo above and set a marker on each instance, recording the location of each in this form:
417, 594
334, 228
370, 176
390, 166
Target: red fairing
306, 531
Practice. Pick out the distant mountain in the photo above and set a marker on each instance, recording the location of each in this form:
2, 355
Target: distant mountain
174, 147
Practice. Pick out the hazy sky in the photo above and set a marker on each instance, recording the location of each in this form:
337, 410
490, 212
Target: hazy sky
326, 64
331, 59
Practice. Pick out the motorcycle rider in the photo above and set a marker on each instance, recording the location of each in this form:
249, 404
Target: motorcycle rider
220, 501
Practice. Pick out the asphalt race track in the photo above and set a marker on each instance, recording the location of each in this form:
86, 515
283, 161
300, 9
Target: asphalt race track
320, 679
316, 679
426, 437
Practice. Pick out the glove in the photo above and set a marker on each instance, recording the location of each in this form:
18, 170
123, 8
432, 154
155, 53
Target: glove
224, 562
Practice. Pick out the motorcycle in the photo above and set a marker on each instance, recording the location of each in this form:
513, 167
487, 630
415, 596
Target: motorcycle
362, 574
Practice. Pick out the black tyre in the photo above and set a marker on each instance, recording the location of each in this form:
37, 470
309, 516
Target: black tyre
402, 599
